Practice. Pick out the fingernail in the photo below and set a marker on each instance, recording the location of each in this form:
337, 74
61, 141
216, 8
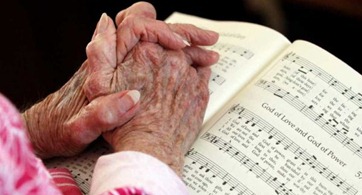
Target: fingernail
134, 95
129, 100
182, 39
103, 23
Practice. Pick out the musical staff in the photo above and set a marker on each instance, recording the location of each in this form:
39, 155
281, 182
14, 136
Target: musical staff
327, 125
307, 66
288, 144
230, 48
248, 163
209, 166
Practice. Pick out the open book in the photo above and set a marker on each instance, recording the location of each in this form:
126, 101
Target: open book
283, 118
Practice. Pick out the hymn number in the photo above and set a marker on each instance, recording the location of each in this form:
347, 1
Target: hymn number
359, 174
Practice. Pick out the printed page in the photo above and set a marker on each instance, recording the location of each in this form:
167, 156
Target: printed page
244, 49
296, 129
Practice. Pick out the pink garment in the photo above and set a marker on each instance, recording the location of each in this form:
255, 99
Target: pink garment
123, 173
64, 181
21, 172
135, 169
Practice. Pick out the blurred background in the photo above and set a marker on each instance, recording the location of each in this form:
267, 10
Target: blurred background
43, 42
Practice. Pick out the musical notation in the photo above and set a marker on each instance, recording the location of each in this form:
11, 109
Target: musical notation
307, 66
230, 48
328, 125
218, 79
284, 141
208, 166
252, 166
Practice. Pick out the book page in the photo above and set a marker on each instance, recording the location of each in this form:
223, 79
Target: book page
244, 49
296, 129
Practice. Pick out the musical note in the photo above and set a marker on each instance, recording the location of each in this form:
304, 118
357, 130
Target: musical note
207, 170
237, 109
301, 70
236, 153
250, 120
279, 93
345, 91
230, 48
217, 171
333, 82
223, 146
348, 141
298, 155
283, 190
311, 161
327, 78
218, 79
251, 166
232, 188
288, 145
281, 139
359, 100
329, 126
190, 152
319, 116
335, 123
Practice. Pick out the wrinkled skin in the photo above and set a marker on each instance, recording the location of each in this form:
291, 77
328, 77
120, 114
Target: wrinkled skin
65, 122
173, 102
107, 49
174, 93
95, 99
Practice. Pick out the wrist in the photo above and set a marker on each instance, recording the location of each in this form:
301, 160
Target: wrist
31, 124
155, 145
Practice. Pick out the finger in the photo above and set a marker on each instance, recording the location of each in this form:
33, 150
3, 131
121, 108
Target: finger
103, 114
195, 35
102, 48
143, 9
134, 29
101, 59
102, 24
201, 57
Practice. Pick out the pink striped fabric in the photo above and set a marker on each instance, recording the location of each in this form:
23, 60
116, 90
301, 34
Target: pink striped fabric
64, 181
126, 191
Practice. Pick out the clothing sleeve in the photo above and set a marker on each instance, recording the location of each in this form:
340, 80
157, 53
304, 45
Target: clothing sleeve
130, 170
21, 172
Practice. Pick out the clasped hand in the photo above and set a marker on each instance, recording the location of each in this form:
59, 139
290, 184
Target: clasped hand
140, 55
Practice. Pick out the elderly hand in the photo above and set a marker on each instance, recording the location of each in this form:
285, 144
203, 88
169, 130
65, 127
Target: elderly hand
173, 81
65, 122
93, 101
173, 102
138, 23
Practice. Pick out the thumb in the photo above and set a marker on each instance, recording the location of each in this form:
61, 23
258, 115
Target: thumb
103, 114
